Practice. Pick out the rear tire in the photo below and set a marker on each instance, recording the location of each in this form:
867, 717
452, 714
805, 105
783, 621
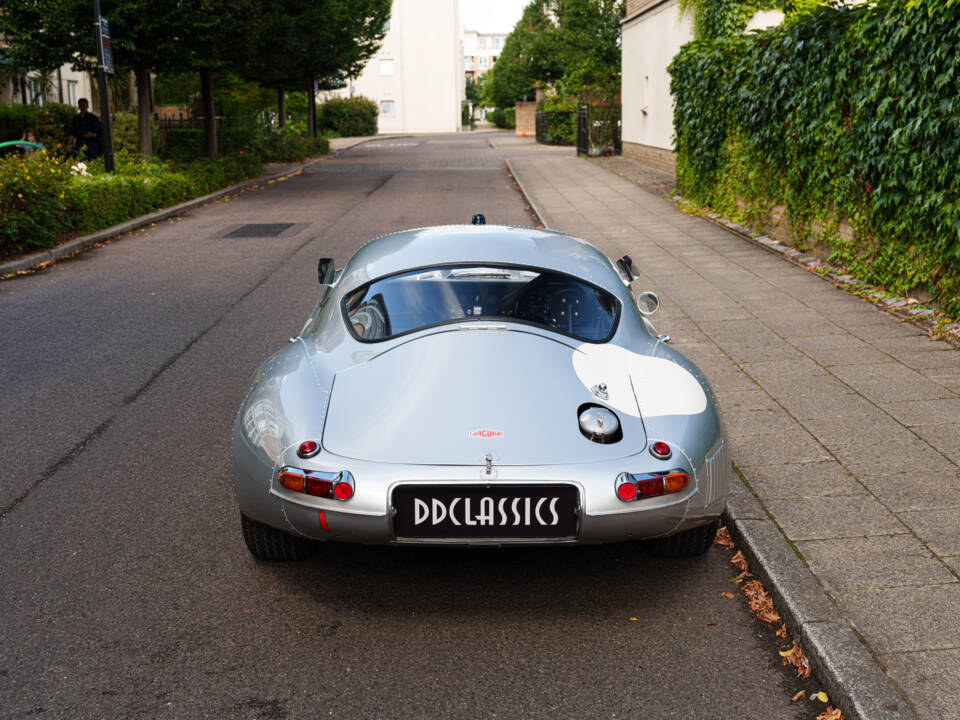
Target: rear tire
268, 543
688, 543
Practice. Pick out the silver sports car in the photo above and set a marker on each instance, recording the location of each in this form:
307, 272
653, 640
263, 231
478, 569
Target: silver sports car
479, 385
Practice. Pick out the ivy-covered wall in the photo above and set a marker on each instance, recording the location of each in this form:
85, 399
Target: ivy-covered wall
842, 115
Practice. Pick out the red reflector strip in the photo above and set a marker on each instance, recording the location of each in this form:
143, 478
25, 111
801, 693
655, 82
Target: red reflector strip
323, 520
652, 486
318, 487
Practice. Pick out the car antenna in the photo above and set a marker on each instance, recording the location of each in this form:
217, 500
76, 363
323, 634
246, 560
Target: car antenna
478, 219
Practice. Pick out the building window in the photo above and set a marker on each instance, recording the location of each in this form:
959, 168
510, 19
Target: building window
386, 107
38, 90
483, 62
498, 43
468, 63
71, 92
386, 67
482, 42
386, 26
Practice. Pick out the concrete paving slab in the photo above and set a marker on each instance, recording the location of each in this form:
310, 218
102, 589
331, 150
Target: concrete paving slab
916, 490
883, 391
782, 369
820, 518
761, 422
847, 356
939, 529
801, 480
905, 619
745, 400
953, 562
875, 428
924, 412
930, 358
884, 561
779, 449
818, 386
890, 458
945, 438
933, 679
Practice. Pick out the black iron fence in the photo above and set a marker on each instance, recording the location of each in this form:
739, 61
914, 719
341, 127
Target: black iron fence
598, 130
184, 122
557, 127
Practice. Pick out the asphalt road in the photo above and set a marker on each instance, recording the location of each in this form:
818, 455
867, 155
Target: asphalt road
125, 587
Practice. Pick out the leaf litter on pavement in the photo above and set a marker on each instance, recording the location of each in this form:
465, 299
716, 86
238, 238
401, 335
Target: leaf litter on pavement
760, 604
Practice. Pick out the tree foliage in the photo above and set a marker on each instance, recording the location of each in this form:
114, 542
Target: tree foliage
572, 46
841, 114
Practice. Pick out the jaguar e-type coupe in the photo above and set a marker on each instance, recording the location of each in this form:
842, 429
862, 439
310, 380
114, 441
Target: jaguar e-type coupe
479, 385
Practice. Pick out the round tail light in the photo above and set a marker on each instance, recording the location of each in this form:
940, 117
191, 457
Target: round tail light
661, 450
308, 448
627, 491
343, 491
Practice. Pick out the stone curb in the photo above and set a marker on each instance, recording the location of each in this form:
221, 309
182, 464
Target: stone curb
853, 679
529, 198
36, 260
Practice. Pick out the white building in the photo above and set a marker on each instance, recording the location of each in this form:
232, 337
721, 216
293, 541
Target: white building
480, 51
653, 32
64, 85
416, 78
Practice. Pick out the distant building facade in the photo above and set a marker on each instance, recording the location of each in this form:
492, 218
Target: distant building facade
480, 51
417, 77
64, 85
653, 33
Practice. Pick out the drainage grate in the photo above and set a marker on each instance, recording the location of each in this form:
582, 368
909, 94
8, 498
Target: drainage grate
258, 230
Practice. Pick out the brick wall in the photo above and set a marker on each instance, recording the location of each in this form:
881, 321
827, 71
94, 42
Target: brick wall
635, 6
527, 119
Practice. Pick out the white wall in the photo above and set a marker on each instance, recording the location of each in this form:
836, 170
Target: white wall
427, 82
649, 43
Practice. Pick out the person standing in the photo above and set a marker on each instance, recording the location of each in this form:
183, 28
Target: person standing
85, 131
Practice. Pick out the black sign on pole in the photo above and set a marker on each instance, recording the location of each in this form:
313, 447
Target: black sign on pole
104, 66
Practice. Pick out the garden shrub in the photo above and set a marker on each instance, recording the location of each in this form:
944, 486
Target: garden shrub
503, 118
33, 201
557, 120
842, 113
53, 124
348, 117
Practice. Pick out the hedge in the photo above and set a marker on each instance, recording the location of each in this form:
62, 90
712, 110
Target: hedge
44, 197
845, 113
348, 117
503, 118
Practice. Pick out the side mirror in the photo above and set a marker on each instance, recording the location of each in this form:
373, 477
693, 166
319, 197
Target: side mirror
326, 272
648, 302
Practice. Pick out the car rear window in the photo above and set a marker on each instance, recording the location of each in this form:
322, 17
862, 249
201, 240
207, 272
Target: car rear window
418, 299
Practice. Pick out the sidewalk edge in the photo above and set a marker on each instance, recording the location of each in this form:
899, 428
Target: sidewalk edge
852, 677
527, 196
36, 260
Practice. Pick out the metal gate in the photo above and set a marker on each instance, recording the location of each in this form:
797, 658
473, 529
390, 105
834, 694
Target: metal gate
598, 130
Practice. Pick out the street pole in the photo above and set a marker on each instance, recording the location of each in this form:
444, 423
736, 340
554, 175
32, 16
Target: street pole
106, 140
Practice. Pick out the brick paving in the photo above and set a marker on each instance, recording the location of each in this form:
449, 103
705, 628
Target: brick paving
844, 421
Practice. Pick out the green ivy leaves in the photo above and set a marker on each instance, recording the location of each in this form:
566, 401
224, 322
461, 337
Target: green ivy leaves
840, 113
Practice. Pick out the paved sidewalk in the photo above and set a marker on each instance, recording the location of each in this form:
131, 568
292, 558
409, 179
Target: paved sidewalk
844, 421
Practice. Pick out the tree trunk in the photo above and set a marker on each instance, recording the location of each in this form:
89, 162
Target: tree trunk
23, 90
281, 110
312, 105
143, 109
209, 112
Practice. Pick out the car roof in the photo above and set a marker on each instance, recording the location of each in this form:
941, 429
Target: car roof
494, 244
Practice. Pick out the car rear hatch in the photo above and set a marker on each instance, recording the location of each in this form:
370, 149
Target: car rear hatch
455, 395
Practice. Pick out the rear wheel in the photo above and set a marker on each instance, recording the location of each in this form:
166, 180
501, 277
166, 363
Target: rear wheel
695, 541
268, 543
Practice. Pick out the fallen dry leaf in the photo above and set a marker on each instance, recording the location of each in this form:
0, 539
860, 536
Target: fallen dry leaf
727, 594
633, 619
739, 560
741, 577
782, 632
788, 653
831, 714
798, 696
723, 538
821, 696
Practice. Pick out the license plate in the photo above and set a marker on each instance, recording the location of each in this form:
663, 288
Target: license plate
426, 511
